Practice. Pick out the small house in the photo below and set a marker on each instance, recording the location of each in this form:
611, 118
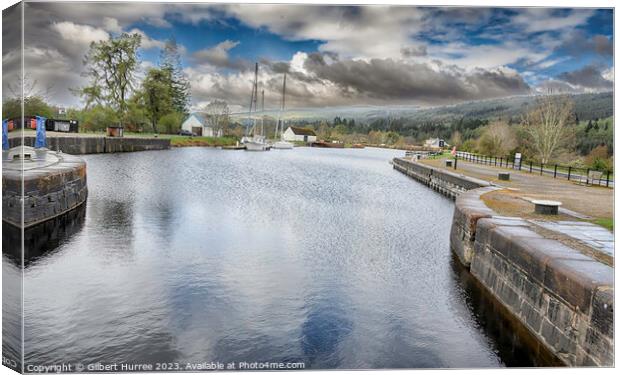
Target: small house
435, 142
295, 134
197, 123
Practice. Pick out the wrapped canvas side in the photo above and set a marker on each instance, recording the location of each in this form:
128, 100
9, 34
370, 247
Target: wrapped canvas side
12, 187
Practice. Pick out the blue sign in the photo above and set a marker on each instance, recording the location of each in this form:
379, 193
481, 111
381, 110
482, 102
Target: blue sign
40, 141
5, 134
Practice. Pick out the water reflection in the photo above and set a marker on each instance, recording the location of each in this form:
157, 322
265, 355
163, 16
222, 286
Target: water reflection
323, 256
514, 343
41, 238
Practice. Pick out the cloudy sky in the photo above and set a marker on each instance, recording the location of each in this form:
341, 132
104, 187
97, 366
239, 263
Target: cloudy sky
334, 56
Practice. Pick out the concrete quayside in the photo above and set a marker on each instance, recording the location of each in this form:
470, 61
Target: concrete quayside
561, 294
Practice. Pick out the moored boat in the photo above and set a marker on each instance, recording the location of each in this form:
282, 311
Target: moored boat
324, 144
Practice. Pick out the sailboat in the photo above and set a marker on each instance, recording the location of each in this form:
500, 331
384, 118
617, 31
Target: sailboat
258, 141
281, 144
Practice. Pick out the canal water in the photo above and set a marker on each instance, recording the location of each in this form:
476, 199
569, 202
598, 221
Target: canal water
323, 256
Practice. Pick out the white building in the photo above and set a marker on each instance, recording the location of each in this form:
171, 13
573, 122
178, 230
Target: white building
295, 134
197, 124
435, 142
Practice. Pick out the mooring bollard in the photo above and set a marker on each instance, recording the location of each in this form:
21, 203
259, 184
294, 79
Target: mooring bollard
546, 207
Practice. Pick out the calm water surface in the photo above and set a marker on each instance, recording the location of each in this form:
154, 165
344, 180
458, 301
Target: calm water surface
322, 256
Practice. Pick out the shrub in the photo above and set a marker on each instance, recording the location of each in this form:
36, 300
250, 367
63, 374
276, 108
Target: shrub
599, 159
170, 123
99, 118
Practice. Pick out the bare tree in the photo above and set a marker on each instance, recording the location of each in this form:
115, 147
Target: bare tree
218, 116
548, 125
31, 88
497, 139
456, 139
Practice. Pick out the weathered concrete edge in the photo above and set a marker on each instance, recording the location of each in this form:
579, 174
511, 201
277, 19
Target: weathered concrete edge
562, 297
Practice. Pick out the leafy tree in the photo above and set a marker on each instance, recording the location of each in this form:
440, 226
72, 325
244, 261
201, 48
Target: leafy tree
111, 66
99, 117
170, 61
33, 106
136, 117
157, 95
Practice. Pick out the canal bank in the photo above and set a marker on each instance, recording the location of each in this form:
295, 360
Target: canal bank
561, 296
95, 144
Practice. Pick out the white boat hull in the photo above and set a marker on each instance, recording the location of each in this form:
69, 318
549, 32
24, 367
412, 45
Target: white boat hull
256, 146
283, 145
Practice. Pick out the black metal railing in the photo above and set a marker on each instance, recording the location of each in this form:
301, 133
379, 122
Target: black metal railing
555, 170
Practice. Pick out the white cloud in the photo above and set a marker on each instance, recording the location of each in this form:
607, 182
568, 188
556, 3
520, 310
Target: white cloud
83, 34
112, 25
146, 41
545, 19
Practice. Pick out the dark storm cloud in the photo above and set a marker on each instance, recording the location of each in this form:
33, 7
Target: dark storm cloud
219, 57
589, 76
390, 79
413, 51
578, 44
11, 49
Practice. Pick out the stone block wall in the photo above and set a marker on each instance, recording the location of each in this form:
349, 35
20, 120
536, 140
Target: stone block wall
562, 296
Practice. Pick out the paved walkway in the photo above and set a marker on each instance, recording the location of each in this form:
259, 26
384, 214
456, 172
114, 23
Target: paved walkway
592, 201
592, 235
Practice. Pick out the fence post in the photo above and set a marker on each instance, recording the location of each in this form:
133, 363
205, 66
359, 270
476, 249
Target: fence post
587, 176
607, 178
455, 160
569, 168
530, 167
555, 171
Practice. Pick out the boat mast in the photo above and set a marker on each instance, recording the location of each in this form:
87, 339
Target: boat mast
262, 118
280, 123
253, 99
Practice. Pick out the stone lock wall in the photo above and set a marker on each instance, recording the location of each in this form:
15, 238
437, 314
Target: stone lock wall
79, 145
445, 182
563, 298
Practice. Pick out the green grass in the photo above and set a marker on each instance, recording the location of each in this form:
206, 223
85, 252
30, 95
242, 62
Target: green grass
443, 155
605, 222
185, 141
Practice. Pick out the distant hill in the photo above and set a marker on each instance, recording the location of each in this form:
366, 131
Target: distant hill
587, 107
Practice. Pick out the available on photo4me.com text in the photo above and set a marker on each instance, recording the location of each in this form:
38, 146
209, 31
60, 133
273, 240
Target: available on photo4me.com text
164, 366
